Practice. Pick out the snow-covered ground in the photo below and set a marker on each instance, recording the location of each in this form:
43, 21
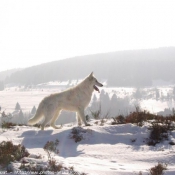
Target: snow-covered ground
105, 150
27, 99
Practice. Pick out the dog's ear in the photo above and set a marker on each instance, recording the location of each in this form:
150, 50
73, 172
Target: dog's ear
91, 76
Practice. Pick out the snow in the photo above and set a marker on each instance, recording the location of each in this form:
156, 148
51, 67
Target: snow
104, 150
154, 106
27, 99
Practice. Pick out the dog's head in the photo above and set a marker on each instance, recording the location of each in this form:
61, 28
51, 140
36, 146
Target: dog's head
94, 82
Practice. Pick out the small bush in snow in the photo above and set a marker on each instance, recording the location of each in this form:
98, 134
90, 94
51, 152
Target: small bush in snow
10, 152
77, 133
118, 120
96, 114
102, 121
7, 125
38, 168
139, 117
72, 171
158, 133
51, 146
158, 169
54, 166
32, 168
5, 119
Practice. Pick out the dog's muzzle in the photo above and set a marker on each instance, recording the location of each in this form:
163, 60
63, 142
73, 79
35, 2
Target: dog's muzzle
96, 88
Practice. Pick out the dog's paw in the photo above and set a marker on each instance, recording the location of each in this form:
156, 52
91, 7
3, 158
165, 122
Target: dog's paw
88, 124
56, 127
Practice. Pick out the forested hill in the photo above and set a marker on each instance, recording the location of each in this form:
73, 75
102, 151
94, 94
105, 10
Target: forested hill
122, 68
7, 73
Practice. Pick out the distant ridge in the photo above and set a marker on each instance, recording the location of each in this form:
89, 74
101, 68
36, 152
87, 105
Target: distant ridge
5, 74
123, 68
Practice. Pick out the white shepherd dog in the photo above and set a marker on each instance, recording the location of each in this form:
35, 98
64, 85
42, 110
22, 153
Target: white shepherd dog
74, 99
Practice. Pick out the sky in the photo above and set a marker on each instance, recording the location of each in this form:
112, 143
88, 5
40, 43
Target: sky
33, 32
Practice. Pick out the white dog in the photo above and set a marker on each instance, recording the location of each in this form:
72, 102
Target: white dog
74, 99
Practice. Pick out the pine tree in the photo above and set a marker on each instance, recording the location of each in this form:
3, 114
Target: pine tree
138, 93
33, 111
17, 107
94, 99
21, 115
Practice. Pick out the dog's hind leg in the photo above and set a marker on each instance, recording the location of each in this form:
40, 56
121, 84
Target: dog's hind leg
46, 121
82, 116
56, 115
49, 112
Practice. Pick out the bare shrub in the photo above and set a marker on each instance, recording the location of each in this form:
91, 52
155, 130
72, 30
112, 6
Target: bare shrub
158, 133
138, 117
102, 121
32, 168
72, 171
5, 120
7, 125
10, 152
158, 169
77, 133
118, 120
96, 114
54, 166
51, 146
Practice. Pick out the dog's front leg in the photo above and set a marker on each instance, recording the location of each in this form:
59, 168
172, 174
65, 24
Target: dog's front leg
80, 112
78, 119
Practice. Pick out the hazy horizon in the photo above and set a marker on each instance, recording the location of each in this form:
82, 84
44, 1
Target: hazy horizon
36, 32
74, 56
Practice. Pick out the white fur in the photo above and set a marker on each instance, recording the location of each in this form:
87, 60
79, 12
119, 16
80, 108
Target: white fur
74, 99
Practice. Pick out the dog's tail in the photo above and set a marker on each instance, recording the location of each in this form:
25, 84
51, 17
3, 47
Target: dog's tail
38, 116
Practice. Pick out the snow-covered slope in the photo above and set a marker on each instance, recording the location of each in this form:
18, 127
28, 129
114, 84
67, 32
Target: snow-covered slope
104, 150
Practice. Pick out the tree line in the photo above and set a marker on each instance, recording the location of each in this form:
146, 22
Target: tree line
136, 68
